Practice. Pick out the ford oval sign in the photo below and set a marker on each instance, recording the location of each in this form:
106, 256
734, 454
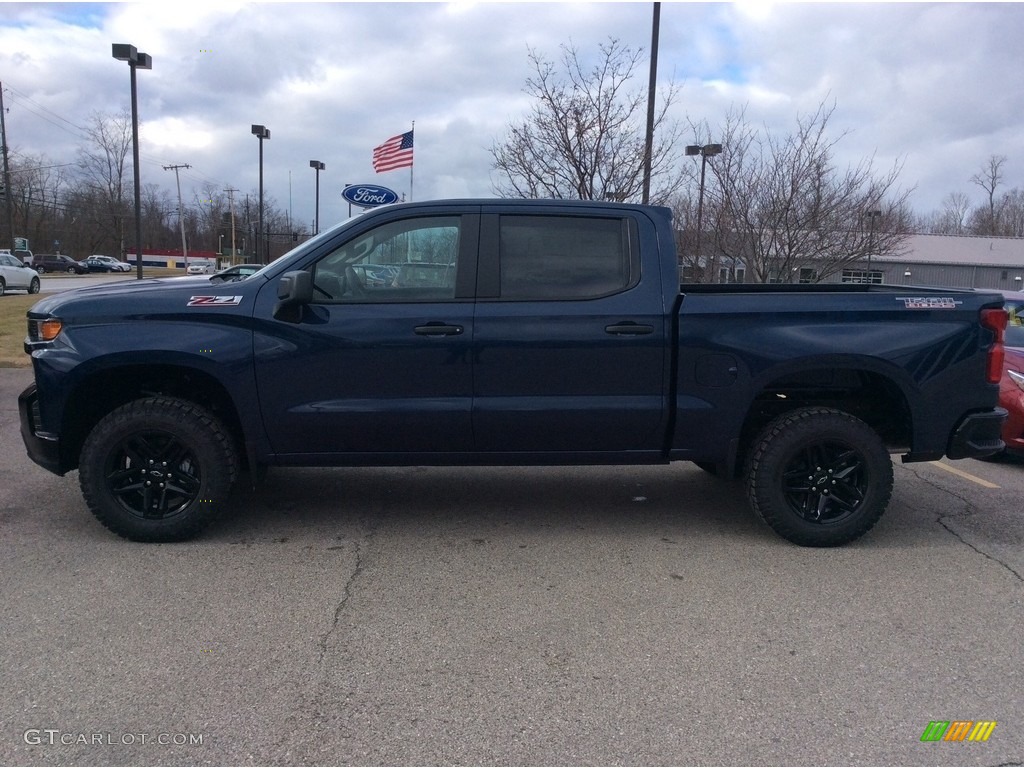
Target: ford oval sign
369, 195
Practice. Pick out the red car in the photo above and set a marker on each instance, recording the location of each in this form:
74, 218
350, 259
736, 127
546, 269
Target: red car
1011, 386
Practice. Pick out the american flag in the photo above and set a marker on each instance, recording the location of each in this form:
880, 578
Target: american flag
396, 152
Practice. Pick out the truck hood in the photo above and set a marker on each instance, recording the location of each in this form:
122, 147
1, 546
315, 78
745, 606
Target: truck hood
158, 295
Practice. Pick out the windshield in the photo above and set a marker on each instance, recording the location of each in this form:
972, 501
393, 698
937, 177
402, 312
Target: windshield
1015, 325
313, 241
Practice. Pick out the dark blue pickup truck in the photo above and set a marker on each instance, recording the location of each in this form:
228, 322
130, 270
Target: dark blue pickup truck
505, 332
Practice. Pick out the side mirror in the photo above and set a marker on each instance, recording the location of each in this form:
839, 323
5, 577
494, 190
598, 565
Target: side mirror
294, 290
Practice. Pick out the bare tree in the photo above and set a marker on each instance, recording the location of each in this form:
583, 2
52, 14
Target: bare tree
1010, 212
585, 137
781, 209
989, 178
103, 166
955, 207
37, 188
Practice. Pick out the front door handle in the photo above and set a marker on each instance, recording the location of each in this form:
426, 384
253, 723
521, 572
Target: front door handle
628, 328
437, 329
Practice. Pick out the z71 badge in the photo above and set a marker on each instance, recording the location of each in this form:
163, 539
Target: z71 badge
214, 301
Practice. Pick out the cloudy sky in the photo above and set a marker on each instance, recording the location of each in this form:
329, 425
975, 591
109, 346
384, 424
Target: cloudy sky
937, 86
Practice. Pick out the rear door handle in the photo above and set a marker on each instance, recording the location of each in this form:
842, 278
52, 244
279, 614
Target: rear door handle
437, 329
628, 328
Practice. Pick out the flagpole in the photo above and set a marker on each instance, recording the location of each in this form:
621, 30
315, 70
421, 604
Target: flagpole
413, 131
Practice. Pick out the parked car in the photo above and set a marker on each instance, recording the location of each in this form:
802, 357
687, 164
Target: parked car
16, 276
1011, 386
236, 273
98, 263
47, 262
201, 267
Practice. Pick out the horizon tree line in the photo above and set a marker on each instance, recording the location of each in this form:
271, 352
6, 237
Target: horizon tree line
86, 206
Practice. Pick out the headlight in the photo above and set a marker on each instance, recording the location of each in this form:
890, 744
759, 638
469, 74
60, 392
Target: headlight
44, 330
1018, 378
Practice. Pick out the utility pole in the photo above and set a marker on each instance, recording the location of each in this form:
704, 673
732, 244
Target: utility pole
231, 203
248, 231
181, 212
7, 175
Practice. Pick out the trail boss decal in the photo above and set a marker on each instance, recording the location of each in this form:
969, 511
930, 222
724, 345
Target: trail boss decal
214, 301
929, 302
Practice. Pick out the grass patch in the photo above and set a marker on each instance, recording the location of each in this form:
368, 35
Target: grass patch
13, 307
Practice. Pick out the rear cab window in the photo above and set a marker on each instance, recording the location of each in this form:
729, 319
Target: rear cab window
558, 257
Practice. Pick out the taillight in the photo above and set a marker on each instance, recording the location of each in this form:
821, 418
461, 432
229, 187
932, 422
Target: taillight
995, 321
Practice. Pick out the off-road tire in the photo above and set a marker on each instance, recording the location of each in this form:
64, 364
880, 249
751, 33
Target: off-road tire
819, 477
157, 469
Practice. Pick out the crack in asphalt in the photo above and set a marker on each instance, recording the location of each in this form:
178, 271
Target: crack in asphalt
346, 594
968, 509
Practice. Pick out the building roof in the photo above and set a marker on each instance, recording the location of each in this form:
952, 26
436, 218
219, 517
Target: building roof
961, 250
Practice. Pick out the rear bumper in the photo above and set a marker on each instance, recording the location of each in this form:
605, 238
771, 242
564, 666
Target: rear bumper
978, 435
43, 448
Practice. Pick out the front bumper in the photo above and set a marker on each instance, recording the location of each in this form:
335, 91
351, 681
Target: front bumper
978, 435
43, 448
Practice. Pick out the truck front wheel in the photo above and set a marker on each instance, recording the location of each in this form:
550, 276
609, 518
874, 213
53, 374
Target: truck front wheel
157, 469
819, 477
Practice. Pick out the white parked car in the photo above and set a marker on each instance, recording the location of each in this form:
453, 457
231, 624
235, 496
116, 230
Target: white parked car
201, 267
16, 276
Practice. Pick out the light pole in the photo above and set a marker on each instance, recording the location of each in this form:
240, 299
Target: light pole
317, 166
136, 60
872, 215
651, 90
705, 151
261, 132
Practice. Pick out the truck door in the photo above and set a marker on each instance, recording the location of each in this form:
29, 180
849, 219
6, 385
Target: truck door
380, 361
571, 342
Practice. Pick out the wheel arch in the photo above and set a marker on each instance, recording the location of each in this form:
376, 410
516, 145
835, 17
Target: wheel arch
878, 394
105, 389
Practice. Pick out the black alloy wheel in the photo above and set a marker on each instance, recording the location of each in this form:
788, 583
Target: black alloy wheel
819, 477
158, 469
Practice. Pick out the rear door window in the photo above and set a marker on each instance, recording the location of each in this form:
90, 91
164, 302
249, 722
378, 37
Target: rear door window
564, 257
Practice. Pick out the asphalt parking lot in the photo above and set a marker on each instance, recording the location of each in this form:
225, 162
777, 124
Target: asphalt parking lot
509, 616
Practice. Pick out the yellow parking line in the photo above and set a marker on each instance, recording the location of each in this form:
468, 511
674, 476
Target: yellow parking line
965, 475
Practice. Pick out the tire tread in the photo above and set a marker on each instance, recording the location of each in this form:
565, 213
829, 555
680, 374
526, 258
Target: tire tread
783, 521
182, 412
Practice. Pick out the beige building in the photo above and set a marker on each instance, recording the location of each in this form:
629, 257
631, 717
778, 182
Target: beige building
948, 261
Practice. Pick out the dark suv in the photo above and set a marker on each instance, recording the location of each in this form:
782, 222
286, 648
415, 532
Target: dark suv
47, 262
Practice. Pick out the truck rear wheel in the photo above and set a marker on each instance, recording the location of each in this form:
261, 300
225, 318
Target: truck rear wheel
158, 469
819, 477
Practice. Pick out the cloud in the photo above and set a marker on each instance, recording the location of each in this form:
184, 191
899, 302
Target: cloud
934, 85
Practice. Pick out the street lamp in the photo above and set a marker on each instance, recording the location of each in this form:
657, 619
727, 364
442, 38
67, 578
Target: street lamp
261, 132
705, 151
136, 60
872, 215
317, 166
